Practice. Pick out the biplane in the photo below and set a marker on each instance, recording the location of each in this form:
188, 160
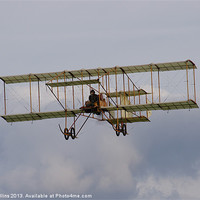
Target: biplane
115, 96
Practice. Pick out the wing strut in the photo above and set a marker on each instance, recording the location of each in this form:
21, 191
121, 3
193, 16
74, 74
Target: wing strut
83, 124
56, 97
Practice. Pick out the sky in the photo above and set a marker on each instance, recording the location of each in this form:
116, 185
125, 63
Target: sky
157, 160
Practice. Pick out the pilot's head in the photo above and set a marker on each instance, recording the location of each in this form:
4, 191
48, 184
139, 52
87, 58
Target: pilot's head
92, 92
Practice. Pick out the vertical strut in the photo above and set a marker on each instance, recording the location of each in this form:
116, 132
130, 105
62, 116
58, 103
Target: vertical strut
152, 83
124, 94
99, 88
65, 101
146, 103
194, 83
82, 88
159, 84
73, 101
187, 80
134, 93
57, 89
107, 88
109, 91
73, 95
39, 94
116, 97
103, 87
4, 97
30, 94
89, 84
129, 93
124, 87
102, 81
139, 101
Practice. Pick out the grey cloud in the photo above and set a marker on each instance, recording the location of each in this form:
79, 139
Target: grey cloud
97, 162
172, 145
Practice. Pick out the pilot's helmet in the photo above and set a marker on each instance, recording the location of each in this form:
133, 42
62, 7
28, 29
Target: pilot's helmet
92, 91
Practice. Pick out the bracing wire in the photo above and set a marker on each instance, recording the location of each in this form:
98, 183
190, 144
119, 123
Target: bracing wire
19, 100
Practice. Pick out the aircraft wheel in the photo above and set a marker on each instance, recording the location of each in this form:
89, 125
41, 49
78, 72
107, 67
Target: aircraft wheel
124, 129
66, 131
117, 130
72, 132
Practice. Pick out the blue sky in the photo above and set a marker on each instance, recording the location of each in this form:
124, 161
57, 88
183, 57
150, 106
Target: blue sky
158, 160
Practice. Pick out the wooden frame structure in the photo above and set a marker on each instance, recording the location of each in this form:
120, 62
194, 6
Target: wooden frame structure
119, 106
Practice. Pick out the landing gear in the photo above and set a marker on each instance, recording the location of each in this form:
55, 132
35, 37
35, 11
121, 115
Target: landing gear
118, 130
68, 133
124, 129
72, 133
121, 128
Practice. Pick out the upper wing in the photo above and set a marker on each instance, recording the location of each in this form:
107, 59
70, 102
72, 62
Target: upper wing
127, 93
170, 66
41, 115
70, 83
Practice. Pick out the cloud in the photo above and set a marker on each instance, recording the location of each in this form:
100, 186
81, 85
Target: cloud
169, 188
149, 162
113, 177
64, 174
52, 168
19, 178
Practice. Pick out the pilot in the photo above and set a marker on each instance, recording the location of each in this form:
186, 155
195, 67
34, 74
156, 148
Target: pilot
93, 98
